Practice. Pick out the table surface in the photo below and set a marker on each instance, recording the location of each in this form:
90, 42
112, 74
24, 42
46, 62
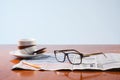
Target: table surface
7, 61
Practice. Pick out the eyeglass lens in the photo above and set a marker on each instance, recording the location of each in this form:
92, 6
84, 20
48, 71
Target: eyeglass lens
74, 58
60, 57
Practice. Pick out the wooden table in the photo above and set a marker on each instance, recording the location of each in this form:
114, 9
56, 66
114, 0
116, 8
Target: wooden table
7, 61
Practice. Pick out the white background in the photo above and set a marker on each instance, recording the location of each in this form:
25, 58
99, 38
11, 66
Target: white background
60, 21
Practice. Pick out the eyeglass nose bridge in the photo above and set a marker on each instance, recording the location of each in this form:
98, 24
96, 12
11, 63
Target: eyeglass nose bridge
66, 56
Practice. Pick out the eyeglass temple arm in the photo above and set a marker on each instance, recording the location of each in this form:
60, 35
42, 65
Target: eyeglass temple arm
87, 55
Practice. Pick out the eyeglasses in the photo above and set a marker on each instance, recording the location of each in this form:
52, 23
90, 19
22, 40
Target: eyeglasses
73, 56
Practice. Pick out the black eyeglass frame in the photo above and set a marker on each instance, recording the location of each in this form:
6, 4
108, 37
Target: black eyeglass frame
66, 55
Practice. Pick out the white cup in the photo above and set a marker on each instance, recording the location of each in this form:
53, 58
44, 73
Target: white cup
27, 46
25, 43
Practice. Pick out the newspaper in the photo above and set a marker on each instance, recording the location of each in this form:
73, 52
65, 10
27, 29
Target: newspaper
48, 62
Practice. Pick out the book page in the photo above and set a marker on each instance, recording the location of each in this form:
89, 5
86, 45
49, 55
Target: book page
109, 61
49, 62
87, 63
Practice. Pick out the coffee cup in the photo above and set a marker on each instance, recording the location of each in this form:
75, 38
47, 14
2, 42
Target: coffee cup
27, 46
25, 43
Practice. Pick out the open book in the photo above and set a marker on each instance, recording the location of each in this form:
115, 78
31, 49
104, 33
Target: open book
48, 62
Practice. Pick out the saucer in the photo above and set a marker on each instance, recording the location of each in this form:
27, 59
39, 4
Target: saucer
18, 54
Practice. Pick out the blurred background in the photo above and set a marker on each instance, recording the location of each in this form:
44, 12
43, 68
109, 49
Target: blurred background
60, 21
